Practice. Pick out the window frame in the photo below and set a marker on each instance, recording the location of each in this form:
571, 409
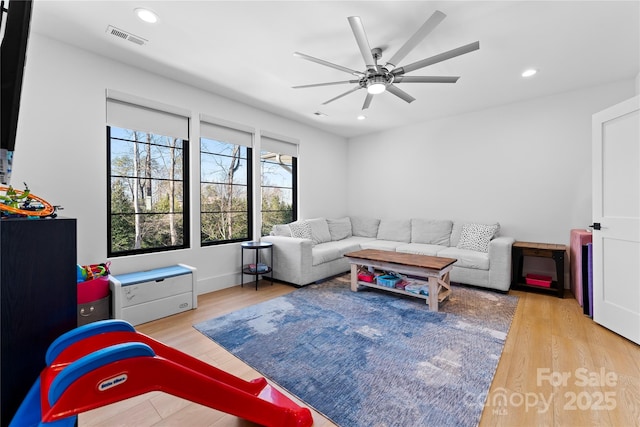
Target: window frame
249, 192
186, 213
294, 191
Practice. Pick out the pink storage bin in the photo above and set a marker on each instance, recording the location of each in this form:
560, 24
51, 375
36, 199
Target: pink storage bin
93, 290
365, 277
538, 280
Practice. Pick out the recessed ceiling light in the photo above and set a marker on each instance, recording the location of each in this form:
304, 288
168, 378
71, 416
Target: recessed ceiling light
146, 15
530, 72
361, 117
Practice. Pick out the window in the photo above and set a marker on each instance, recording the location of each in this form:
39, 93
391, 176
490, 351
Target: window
279, 182
148, 174
225, 184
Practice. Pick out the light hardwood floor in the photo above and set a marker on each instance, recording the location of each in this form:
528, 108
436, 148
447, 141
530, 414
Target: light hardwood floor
558, 368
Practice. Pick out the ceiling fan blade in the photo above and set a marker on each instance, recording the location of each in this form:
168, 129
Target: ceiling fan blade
437, 58
425, 79
363, 43
428, 26
341, 95
328, 64
326, 84
367, 101
400, 93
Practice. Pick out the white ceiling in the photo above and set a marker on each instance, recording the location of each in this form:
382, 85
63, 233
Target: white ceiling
243, 50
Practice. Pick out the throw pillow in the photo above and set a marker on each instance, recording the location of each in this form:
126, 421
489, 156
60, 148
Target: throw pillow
476, 237
364, 227
339, 228
319, 230
300, 229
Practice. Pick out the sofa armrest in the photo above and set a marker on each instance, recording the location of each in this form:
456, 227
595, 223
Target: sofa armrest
292, 258
500, 262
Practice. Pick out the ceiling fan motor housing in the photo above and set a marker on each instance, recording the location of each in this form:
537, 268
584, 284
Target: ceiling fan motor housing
374, 77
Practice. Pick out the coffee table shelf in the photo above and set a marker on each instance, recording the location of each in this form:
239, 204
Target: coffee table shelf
443, 292
434, 269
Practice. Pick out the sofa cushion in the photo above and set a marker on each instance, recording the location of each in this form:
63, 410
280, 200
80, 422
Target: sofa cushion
329, 251
420, 249
467, 258
435, 232
281, 230
300, 229
364, 226
339, 228
319, 230
398, 230
383, 245
476, 237
360, 240
456, 230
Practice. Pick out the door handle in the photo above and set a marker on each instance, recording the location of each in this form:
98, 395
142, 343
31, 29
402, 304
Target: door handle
596, 226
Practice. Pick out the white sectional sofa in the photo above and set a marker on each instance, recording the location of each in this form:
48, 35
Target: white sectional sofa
311, 250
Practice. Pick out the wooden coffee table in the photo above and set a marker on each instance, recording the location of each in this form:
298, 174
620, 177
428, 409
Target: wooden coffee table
434, 269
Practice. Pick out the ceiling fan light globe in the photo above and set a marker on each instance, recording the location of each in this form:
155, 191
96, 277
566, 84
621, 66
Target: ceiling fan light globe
376, 88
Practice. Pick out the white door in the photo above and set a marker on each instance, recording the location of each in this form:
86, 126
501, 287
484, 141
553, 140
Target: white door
616, 207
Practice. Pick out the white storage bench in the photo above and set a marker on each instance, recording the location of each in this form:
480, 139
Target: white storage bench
144, 296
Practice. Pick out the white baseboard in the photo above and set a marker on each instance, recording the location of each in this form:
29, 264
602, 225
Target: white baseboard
216, 283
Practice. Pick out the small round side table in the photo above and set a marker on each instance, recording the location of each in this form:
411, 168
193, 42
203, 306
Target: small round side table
257, 268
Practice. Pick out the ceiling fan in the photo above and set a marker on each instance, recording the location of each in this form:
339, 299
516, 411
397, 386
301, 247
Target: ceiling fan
379, 78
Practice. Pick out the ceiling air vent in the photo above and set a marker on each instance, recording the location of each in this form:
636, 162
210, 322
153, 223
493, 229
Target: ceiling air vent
117, 32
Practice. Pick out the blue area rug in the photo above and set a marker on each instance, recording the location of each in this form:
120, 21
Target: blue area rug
374, 358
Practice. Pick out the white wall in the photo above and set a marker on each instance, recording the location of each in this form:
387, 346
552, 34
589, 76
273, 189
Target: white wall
61, 152
526, 165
